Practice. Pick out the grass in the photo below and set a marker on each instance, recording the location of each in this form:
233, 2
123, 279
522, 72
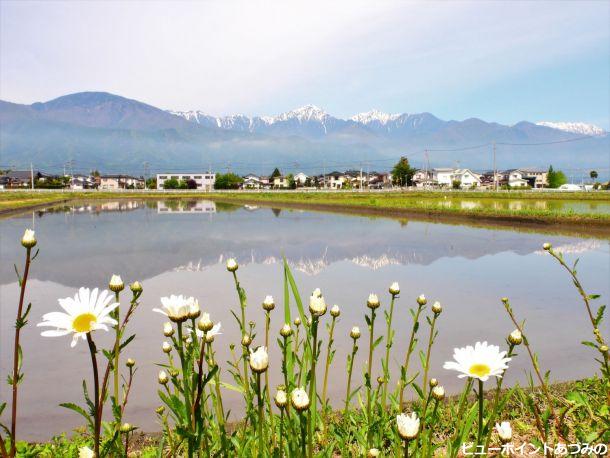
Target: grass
146, 445
521, 206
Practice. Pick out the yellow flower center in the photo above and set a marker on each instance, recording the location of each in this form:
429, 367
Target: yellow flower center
480, 370
84, 322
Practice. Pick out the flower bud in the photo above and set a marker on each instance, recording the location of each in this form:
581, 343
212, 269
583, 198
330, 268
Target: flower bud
308, 322
317, 304
246, 340
394, 289
335, 311
130, 362
160, 410
174, 372
299, 399
433, 382
163, 378
29, 239
408, 426
168, 330
436, 308
166, 347
373, 301
317, 292
286, 330
504, 300
126, 427
421, 300
355, 333
281, 398
297, 321
232, 265
259, 360
268, 303
373, 453
438, 393
116, 284
136, 287
209, 338
205, 324
193, 309
547, 246
515, 337
603, 348
380, 380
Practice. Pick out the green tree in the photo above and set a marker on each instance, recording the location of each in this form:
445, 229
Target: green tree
593, 174
172, 183
555, 178
402, 173
151, 183
276, 173
456, 184
227, 181
292, 184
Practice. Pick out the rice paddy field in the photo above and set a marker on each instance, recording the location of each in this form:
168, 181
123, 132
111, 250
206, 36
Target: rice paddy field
148, 326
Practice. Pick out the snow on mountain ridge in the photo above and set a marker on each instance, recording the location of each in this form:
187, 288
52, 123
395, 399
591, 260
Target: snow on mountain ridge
574, 127
375, 115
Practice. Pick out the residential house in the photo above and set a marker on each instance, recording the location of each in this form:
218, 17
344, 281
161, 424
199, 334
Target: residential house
336, 180
203, 180
514, 178
111, 182
536, 178
22, 178
251, 181
466, 177
280, 182
79, 182
300, 179
443, 176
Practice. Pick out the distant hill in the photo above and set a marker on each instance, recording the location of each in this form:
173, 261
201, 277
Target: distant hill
116, 134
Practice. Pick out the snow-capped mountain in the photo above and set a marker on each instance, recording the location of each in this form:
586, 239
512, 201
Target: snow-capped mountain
117, 133
375, 116
574, 127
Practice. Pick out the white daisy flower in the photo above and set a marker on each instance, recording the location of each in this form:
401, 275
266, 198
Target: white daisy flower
481, 361
505, 432
211, 333
85, 312
176, 308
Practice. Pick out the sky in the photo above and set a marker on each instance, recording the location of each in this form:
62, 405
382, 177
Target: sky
495, 60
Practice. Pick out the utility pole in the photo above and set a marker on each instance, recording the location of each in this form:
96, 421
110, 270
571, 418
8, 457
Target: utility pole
324, 174
145, 175
495, 170
32, 174
361, 177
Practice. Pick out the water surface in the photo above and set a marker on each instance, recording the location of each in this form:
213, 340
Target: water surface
180, 248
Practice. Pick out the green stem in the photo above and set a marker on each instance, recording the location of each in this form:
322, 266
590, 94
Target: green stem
349, 377
328, 354
261, 440
303, 422
403, 382
428, 351
480, 432
16, 377
370, 372
281, 432
96, 393
116, 351
267, 325
388, 346
312, 385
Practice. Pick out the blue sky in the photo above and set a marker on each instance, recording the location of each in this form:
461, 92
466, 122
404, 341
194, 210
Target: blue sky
499, 61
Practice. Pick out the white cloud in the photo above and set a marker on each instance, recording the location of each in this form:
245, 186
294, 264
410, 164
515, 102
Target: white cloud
260, 57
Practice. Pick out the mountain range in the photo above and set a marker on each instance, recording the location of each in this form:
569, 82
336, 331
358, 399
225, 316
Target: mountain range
118, 135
